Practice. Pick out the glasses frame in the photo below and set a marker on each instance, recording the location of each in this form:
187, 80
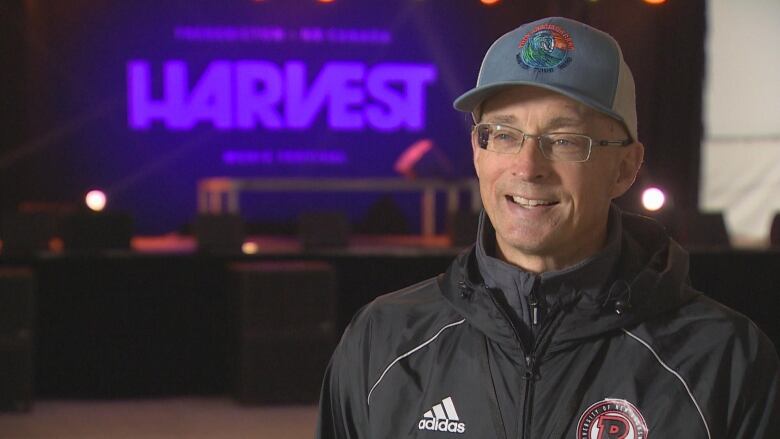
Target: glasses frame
591, 142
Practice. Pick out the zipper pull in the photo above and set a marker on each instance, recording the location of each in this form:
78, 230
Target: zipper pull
533, 301
530, 365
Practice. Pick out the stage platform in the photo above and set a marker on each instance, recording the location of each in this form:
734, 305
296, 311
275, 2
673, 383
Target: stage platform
156, 320
269, 245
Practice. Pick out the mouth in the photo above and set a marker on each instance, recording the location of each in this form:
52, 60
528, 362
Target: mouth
530, 203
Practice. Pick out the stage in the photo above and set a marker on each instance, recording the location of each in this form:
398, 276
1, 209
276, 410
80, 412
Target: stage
157, 320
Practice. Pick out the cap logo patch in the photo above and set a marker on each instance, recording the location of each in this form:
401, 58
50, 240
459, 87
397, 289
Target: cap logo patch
612, 419
545, 49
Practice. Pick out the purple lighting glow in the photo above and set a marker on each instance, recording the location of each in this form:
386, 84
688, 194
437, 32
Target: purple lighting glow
246, 94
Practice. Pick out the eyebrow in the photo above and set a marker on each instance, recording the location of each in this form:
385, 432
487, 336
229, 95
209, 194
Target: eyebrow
502, 119
555, 123
565, 122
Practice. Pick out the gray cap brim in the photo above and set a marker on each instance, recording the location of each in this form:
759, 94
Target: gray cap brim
469, 102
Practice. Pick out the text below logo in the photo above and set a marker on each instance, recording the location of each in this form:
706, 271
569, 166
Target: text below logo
442, 417
545, 48
246, 94
235, 157
612, 419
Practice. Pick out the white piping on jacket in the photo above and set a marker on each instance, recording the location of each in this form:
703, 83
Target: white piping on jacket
430, 340
687, 389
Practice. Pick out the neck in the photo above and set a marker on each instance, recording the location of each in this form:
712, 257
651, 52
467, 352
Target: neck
554, 259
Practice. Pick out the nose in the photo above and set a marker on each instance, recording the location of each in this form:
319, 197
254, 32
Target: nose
530, 164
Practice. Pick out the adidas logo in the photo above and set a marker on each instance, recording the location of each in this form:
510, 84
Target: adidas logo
442, 417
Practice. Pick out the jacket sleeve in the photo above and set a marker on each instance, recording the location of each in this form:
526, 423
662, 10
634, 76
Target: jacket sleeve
755, 398
343, 410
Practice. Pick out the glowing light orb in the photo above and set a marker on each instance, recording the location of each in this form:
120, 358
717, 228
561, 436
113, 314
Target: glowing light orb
653, 199
489, 2
250, 248
96, 200
655, 2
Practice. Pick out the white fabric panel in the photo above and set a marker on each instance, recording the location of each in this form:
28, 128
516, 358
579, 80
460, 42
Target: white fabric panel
740, 167
743, 68
742, 179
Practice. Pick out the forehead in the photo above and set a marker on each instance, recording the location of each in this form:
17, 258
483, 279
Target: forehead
516, 103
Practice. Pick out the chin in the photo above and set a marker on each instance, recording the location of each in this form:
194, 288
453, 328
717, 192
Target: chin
530, 243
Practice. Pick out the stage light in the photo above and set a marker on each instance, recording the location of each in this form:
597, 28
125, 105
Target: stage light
489, 2
96, 200
250, 248
325, 1
653, 199
655, 2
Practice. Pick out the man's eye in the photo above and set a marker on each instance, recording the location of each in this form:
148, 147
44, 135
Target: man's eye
565, 141
503, 137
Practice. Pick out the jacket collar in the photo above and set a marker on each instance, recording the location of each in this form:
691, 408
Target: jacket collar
589, 275
649, 276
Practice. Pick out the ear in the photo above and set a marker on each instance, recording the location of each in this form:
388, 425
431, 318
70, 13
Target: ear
630, 162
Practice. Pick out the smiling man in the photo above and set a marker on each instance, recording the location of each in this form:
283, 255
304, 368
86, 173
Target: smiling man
549, 202
568, 318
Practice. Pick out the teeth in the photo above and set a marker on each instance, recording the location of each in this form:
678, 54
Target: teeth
531, 203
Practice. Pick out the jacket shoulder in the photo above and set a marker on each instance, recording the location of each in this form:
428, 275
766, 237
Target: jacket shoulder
729, 366
416, 309
725, 325
704, 326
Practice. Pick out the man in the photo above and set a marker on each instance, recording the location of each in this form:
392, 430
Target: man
568, 318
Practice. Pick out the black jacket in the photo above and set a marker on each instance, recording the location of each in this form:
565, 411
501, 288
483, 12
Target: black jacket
646, 356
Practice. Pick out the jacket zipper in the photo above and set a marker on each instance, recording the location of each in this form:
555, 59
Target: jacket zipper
529, 361
530, 358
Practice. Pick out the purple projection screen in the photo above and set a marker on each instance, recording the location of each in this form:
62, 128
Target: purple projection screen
255, 94
173, 92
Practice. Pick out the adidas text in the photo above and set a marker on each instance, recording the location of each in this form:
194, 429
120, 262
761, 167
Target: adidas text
442, 417
442, 425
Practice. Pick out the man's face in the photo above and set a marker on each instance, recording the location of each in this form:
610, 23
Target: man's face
548, 214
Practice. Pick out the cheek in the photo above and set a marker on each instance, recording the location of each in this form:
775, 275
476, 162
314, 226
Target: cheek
589, 188
488, 170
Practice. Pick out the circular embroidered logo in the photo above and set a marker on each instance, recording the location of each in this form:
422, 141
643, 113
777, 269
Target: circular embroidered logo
545, 48
612, 419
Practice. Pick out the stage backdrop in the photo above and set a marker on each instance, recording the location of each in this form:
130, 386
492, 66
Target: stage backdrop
148, 97
144, 98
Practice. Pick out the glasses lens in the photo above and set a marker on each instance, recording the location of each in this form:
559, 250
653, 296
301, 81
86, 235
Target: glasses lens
482, 135
497, 138
566, 147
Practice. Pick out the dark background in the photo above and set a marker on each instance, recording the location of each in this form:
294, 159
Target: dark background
130, 324
64, 107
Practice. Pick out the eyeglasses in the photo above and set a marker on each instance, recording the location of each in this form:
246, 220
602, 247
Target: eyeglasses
563, 147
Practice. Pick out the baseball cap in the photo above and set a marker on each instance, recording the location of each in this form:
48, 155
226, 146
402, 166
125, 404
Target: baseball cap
562, 55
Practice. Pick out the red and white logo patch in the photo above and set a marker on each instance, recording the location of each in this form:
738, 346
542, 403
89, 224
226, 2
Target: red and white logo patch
612, 419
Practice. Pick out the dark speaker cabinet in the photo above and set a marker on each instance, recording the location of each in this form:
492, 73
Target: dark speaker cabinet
219, 233
285, 327
17, 305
